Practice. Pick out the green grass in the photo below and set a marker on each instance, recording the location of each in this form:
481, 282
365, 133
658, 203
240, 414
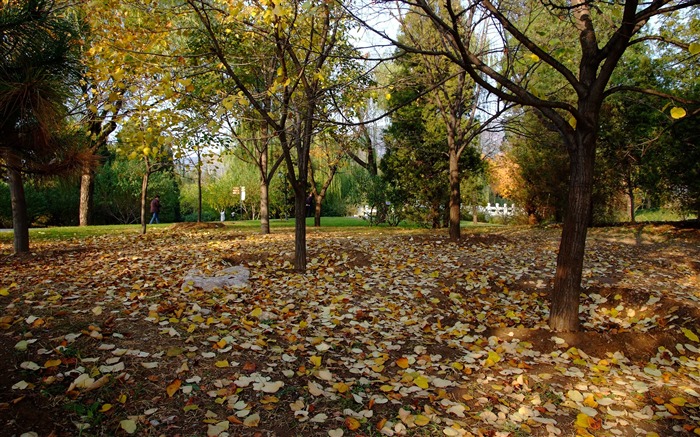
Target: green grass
660, 215
70, 232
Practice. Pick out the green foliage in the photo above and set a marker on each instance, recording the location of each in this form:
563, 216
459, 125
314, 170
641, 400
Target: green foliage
542, 165
52, 202
118, 193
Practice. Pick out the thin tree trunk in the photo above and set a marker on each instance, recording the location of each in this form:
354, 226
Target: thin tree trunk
567, 280
455, 197
264, 207
199, 185
87, 190
317, 212
20, 218
300, 230
475, 213
144, 203
630, 198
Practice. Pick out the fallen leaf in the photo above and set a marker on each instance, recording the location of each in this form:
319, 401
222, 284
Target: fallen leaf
128, 425
352, 424
402, 362
252, 421
173, 387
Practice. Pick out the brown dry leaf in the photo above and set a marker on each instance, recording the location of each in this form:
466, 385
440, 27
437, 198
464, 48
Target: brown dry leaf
173, 387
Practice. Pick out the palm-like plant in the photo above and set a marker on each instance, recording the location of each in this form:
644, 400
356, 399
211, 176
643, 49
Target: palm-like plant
38, 71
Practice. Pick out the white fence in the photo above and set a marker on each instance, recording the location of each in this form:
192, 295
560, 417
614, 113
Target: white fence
497, 209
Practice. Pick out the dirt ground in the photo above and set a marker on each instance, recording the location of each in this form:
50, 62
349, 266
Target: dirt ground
388, 333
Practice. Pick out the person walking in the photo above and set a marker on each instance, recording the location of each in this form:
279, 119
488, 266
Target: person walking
155, 209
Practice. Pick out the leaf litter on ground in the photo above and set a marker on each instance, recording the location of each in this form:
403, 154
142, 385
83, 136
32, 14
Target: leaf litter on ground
389, 333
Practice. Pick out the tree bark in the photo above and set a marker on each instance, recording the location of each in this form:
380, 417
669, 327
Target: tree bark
264, 193
567, 280
264, 207
455, 197
475, 213
20, 217
317, 212
199, 186
87, 191
144, 203
630, 198
300, 230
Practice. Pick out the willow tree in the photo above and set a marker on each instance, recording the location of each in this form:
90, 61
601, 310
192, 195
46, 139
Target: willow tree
526, 39
38, 73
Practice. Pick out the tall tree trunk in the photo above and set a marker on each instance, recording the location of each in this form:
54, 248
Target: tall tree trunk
264, 207
630, 198
20, 218
455, 197
144, 202
317, 212
199, 185
567, 280
87, 191
300, 229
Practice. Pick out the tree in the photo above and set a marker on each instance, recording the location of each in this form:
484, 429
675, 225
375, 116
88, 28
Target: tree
38, 73
458, 100
423, 132
305, 38
101, 104
532, 170
147, 136
329, 155
605, 31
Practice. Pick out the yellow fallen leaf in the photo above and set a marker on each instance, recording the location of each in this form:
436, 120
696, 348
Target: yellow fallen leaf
222, 364
52, 363
315, 360
421, 420
173, 387
105, 407
402, 362
122, 399
352, 423
590, 402
257, 312
341, 387
678, 401
690, 334
584, 420
128, 425
671, 408
4, 292
386, 388
421, 382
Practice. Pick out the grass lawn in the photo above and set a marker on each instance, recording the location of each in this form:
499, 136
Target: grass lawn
68, 232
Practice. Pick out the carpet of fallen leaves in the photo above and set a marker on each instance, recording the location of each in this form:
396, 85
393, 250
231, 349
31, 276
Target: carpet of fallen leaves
388, 333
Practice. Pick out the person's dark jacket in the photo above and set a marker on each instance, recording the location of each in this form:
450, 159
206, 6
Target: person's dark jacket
155, 205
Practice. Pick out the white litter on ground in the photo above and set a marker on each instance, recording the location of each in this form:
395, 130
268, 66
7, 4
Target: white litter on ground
231, 277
